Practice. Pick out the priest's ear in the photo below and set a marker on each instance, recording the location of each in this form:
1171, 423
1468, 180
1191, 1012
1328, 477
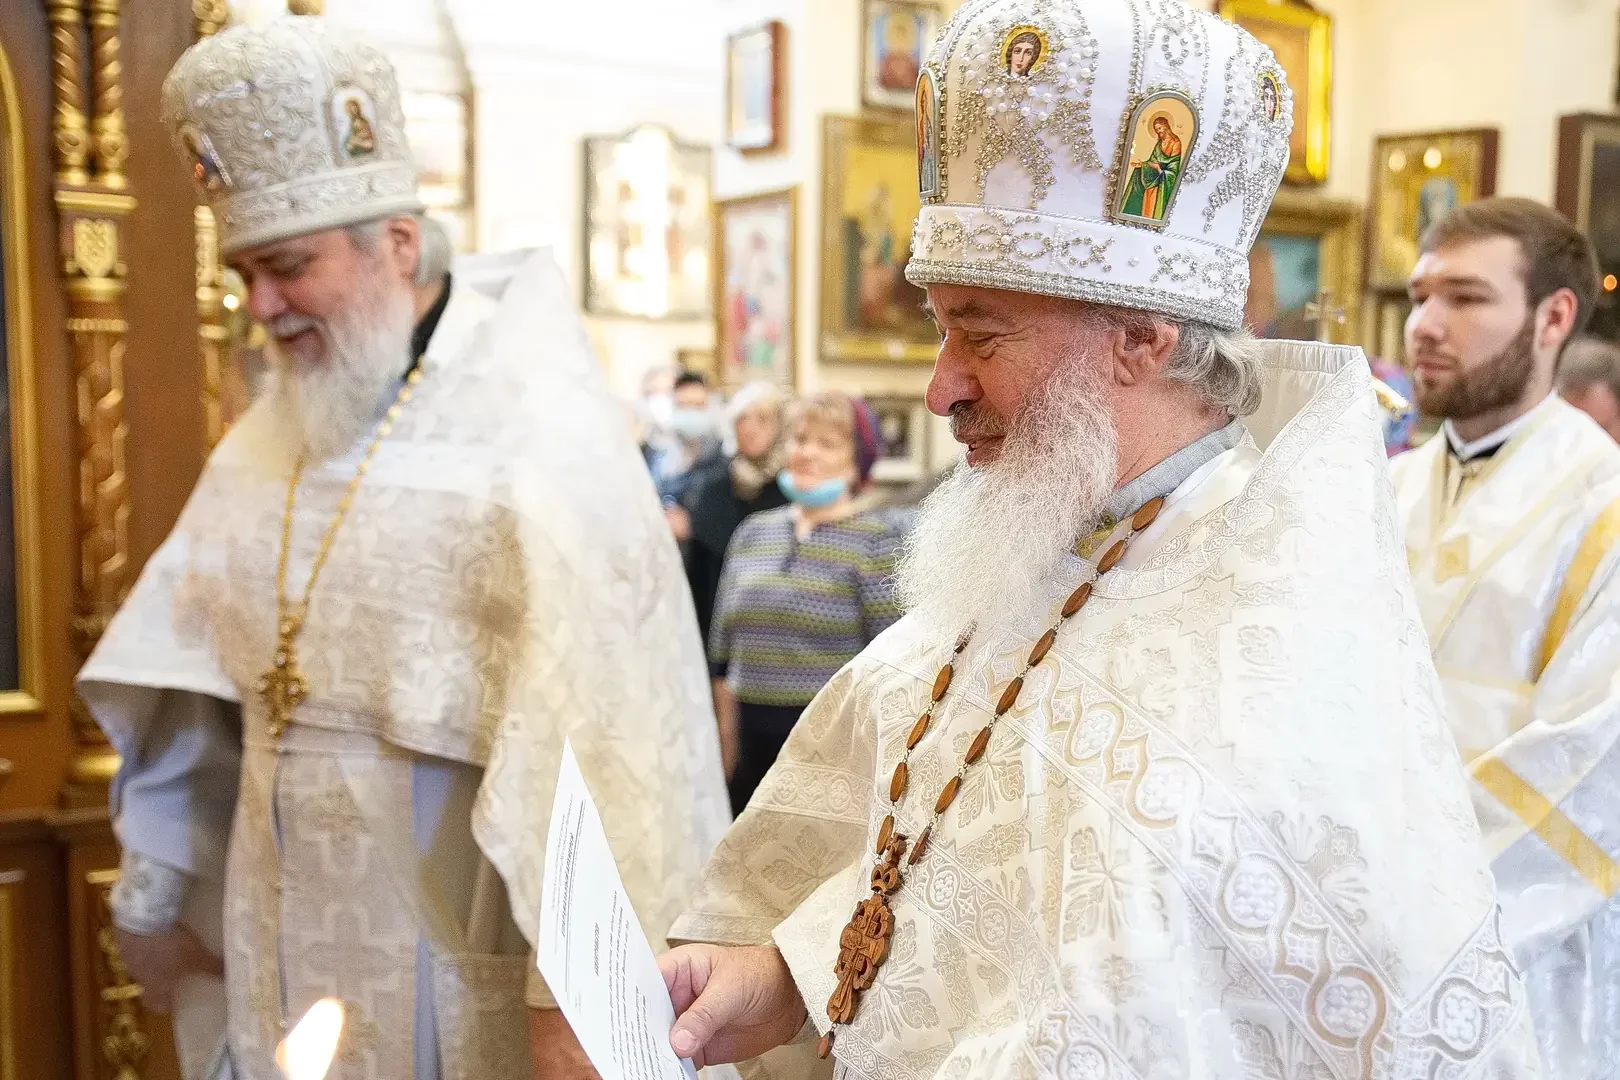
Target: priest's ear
401, 247
1141, 346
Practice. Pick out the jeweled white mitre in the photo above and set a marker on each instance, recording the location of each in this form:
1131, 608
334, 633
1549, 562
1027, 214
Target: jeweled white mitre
290, 128
1122, 152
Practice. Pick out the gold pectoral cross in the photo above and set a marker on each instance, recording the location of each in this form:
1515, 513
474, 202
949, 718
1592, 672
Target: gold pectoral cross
283, 687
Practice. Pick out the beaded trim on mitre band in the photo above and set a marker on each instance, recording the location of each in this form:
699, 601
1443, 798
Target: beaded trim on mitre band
1097, 261
311, 204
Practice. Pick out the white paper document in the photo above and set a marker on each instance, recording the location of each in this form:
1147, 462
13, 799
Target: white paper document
594, 957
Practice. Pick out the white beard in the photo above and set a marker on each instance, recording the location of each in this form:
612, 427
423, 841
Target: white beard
321, 410
990, 541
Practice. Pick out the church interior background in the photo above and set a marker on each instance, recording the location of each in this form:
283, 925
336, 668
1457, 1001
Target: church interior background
727, 184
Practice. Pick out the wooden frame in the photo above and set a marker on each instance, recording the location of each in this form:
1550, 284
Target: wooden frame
669, 308
723, 368
874, 96
1334, 311
1579, 136
1277, 23
25, 699
914, 466
1403, 168
1588, 156
775, 33
912, 339
463, 212
699, 360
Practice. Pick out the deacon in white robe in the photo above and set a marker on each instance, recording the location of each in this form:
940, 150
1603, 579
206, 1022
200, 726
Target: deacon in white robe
1176, 800
491, 576
1512, 521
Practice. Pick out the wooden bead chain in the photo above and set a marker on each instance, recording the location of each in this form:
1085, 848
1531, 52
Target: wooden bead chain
864, 943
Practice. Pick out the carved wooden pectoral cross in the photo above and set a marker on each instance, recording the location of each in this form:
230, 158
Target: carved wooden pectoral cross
283, 687
864, 944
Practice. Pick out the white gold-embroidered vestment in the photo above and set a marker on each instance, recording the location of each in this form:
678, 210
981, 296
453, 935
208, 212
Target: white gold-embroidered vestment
1223, 834
504, 580
1514, 559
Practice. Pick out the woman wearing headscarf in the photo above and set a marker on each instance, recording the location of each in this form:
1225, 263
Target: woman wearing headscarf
805, 587
728, 492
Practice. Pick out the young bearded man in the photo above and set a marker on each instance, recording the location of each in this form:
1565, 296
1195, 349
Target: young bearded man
1512, 517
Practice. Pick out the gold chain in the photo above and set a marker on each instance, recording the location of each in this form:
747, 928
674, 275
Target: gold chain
863, 945
283, 687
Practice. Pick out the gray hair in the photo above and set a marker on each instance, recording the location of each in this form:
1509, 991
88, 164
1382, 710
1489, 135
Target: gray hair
432, 262
1589, 360
1224, 367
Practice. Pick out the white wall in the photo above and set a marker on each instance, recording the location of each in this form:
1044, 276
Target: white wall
547, 74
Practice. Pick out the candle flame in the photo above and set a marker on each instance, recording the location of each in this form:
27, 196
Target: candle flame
307, 1051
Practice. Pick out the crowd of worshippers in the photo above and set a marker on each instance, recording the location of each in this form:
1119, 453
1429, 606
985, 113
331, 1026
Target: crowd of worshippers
788, 546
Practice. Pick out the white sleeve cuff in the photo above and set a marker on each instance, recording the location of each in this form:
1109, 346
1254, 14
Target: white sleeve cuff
148, 895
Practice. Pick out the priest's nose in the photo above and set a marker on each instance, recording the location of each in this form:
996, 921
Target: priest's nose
264, 299
953, 383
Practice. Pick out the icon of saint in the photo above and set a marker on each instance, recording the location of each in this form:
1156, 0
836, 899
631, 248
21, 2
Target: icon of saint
1153, 180
901, 60
1270, 98
927, 136
204, 167
362, 140
1023, 53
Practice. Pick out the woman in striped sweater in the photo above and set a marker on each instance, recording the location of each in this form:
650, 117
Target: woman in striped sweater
805, 587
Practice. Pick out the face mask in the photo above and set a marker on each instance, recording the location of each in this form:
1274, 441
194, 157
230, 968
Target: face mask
660, 407
812, 498
691, 423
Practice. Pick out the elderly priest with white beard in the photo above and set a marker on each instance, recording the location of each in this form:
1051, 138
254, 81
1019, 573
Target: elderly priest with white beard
1153, 780
426, 556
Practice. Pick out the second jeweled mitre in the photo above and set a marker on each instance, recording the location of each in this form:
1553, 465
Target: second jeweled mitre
1118, 151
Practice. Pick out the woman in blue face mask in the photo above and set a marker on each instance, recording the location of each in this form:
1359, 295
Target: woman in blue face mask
805, 588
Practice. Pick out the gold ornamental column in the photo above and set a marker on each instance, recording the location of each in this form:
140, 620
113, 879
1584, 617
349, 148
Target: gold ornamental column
92, 207
213, 337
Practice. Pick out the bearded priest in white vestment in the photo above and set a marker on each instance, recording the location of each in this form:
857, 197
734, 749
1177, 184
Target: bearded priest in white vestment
415, 566
1512, 517
1153, 779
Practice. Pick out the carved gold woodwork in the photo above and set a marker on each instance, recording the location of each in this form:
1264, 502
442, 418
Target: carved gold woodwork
17, 283
106, 74
213, 336
306, 7
71, 130
10, 882
91, 211
124, 1043
209, 17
